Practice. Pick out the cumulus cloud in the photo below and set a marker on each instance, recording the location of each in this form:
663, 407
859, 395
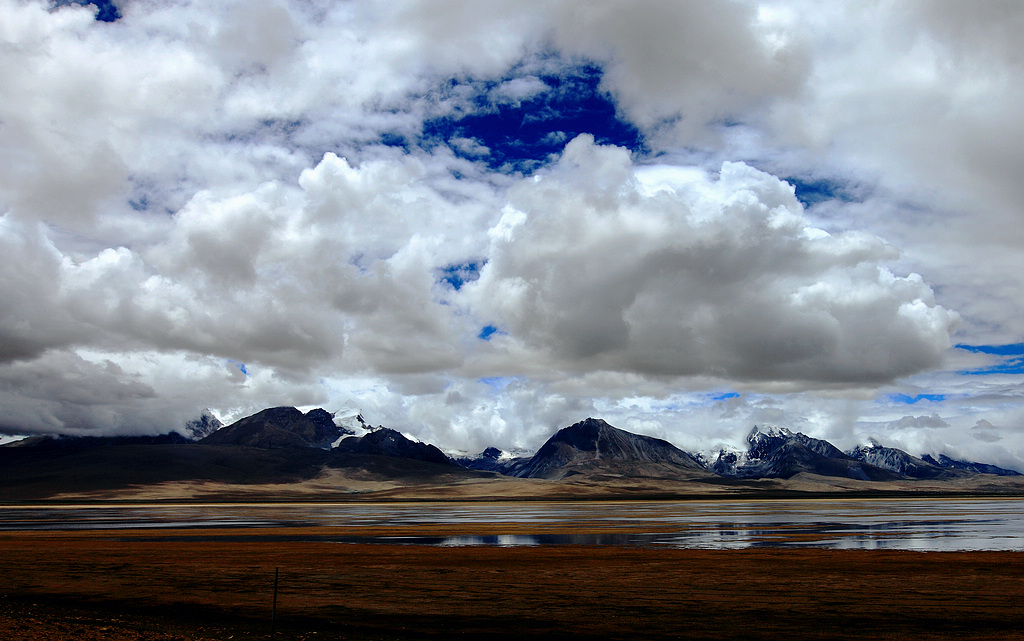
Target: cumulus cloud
713, 61
249, 204
29, 286
516, 90
289, 276
919, 101
930, 421
698, 275
90, 391
81, 105
985, 431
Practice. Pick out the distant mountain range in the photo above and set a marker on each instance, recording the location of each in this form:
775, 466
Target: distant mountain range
595, 447
285, 445
780, 453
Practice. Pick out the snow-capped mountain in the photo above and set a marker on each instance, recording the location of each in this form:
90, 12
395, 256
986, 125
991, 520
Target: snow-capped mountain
493, 459
898, 461
203, 426
724, 462
284, 445
280, 427
351, 423
384, 441
594, 447
779, 453
978, 468
350, 418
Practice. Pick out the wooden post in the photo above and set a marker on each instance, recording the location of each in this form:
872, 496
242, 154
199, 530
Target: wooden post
273, 611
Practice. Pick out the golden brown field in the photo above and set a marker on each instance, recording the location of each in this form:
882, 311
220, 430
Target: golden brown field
129, 585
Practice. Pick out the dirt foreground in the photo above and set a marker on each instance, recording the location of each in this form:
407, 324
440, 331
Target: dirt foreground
120, 585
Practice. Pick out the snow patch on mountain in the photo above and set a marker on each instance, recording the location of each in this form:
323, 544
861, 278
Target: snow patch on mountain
493, 459
10, 438
203, 426
350, 422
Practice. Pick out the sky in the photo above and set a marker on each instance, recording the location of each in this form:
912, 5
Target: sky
478, 222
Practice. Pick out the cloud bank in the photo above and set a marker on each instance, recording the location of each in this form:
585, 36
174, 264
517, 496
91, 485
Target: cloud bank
676, 273
479, 223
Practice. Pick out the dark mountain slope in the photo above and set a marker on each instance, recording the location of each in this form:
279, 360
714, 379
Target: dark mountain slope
70, 444
387, 442
28, 473
280, 427
898, 461
38, 472
594, 447
978, 468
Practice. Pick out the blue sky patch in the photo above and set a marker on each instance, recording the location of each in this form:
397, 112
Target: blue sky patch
458, 274
810, 191
106, 11
521, 133
1015, 349
497, 383
911, 400
1011, 361
724, 396
487, 332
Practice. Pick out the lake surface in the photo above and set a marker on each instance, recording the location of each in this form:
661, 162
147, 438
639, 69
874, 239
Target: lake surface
906, 524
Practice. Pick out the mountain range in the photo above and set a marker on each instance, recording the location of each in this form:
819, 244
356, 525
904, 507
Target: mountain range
340, 452
595, 447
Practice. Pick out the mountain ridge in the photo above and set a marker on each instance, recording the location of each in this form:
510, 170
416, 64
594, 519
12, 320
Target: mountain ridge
280, 427
283, 447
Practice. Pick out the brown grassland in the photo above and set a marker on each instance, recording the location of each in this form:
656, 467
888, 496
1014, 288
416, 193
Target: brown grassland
196, 584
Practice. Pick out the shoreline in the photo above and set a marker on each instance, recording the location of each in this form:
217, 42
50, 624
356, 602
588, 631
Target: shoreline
880, 523
371, 498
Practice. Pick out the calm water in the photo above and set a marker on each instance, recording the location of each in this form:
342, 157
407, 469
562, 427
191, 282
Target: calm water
968, 524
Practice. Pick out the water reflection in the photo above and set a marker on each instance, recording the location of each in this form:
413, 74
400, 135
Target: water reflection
960, 524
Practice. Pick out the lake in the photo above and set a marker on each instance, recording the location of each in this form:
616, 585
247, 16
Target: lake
904, 524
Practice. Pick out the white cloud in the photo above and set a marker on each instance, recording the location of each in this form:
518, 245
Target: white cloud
932, 420
709, 277
691, 64
920, 101
516, 90
203, 184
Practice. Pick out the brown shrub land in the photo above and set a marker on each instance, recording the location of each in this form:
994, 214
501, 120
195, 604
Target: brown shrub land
190, 585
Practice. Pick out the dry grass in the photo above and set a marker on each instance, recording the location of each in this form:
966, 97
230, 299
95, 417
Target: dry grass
101, 585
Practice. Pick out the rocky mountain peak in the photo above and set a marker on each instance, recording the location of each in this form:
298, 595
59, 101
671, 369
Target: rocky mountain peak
491, 453
777, 452
585, 435
384, 441
203, 426
947, 462
593, 446
896, 460
350, 420
759, 433
280, 427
